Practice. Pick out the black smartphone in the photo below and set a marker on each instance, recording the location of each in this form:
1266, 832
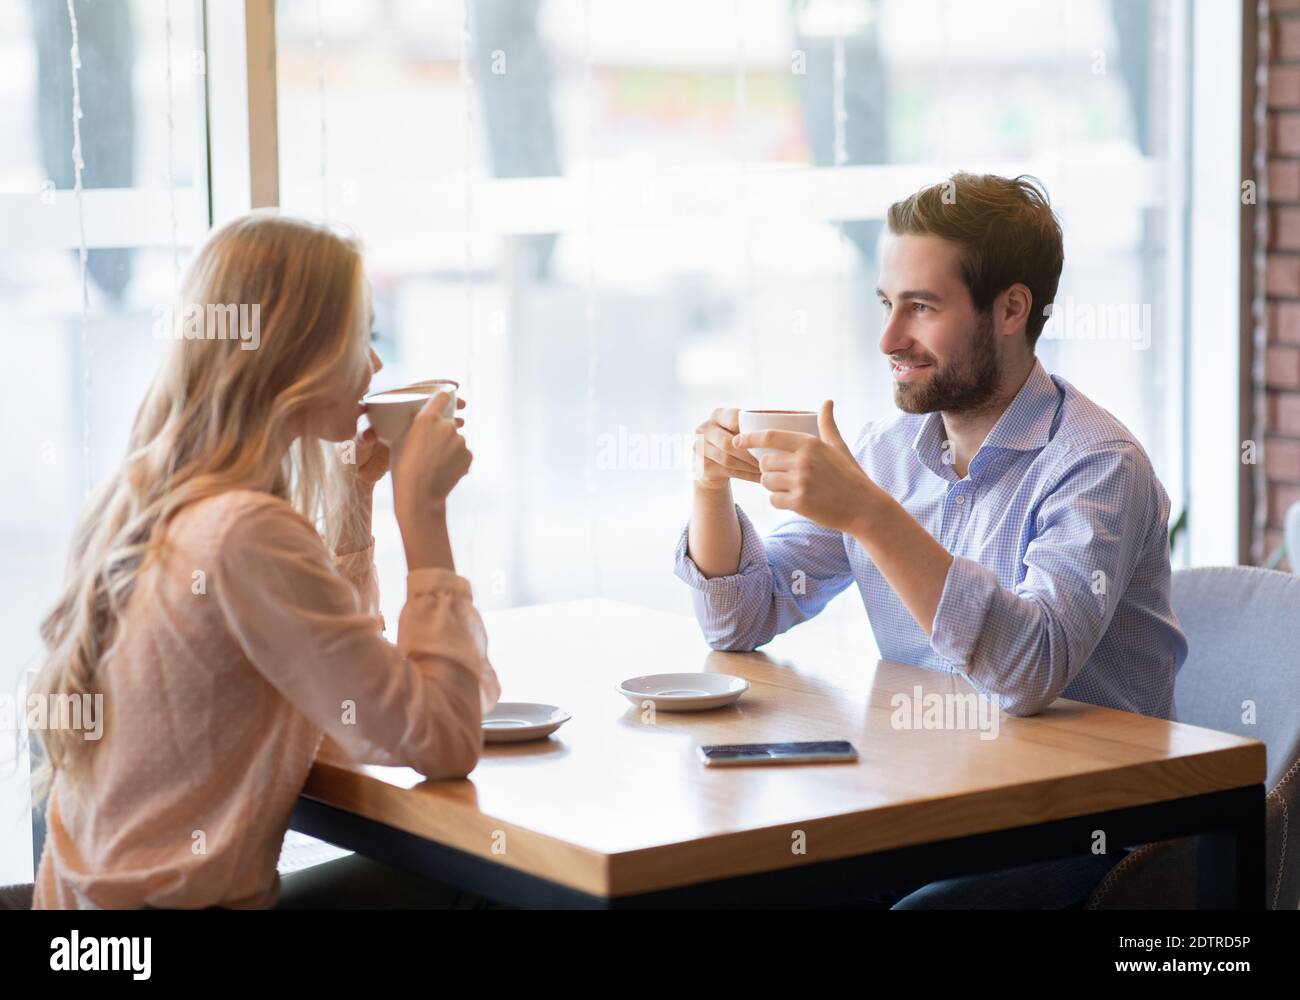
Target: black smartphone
721, 754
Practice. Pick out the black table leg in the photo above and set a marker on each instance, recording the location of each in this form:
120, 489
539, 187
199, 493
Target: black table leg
1230, 860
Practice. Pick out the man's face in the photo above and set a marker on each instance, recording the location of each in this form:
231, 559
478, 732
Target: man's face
943, 353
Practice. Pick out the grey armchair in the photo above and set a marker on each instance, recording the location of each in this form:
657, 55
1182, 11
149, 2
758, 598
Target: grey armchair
1243, 635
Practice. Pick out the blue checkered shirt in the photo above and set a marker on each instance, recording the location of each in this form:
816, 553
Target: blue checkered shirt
1059, 584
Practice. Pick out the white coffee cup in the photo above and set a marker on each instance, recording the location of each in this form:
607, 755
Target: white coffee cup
391, 412
799, 421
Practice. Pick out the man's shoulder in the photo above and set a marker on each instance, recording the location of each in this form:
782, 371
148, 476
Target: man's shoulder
1086, 435
1084, 427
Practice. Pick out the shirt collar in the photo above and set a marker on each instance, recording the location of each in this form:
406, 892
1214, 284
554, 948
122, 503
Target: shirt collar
1025, 425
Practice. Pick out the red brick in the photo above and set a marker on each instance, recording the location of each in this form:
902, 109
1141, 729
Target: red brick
1285, 229
1286, 133
1283, 86
1282, 275
1286, 39
1284, 180
1284, 323
1281, 225
1284, 413
1282, 367
1282, 459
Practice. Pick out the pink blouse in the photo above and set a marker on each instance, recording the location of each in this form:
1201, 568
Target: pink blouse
240, 646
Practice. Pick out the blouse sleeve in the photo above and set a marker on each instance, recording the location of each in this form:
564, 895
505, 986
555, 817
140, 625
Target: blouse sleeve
301, 625
358, 568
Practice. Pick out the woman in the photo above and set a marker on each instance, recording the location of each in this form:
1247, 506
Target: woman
221, 595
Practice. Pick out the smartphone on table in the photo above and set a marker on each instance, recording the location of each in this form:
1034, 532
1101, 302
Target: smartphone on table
824, 751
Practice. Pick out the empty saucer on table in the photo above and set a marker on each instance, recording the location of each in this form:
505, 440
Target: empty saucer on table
684, 692
517, 721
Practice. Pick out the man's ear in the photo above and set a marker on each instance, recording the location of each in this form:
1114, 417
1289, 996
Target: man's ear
1013, 308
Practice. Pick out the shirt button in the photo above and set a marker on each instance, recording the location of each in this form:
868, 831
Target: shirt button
961, 500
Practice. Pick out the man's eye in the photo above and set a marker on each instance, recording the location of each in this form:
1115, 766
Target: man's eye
920, 307
374, 335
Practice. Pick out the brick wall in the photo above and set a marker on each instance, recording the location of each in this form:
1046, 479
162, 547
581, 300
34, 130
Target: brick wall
1280, 482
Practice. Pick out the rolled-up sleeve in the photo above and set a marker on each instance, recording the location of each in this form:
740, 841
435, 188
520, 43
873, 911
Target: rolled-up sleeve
1026, 644
787, 579
303, 626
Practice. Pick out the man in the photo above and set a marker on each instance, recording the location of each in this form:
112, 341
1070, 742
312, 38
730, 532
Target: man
1002, 526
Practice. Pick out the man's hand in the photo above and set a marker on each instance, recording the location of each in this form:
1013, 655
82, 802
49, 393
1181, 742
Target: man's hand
717, 460
816, 477
820, 479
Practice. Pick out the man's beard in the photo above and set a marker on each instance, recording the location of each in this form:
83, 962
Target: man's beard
960, 385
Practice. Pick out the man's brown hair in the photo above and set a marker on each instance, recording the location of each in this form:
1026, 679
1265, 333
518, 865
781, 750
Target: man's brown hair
1006, 231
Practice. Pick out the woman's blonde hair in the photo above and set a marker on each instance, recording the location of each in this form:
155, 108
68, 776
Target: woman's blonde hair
222, 413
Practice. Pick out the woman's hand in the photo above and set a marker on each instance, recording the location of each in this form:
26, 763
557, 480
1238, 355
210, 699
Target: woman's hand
428, 462
365, 460
370, 458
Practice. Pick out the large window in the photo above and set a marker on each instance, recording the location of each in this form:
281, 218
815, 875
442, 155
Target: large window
604, 219
73, 382
607, 219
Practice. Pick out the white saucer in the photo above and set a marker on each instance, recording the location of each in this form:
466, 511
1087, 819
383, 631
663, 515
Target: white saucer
517, 721
684, 692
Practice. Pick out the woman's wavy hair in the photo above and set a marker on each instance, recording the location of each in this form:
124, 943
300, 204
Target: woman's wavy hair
223, 412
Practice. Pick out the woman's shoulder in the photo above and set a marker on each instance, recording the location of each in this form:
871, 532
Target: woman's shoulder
243, 514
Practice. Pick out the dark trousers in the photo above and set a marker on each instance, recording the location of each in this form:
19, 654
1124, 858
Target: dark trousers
1064, 884
358, 883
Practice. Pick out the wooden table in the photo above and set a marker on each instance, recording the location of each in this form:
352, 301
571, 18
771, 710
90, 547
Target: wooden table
615, 809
